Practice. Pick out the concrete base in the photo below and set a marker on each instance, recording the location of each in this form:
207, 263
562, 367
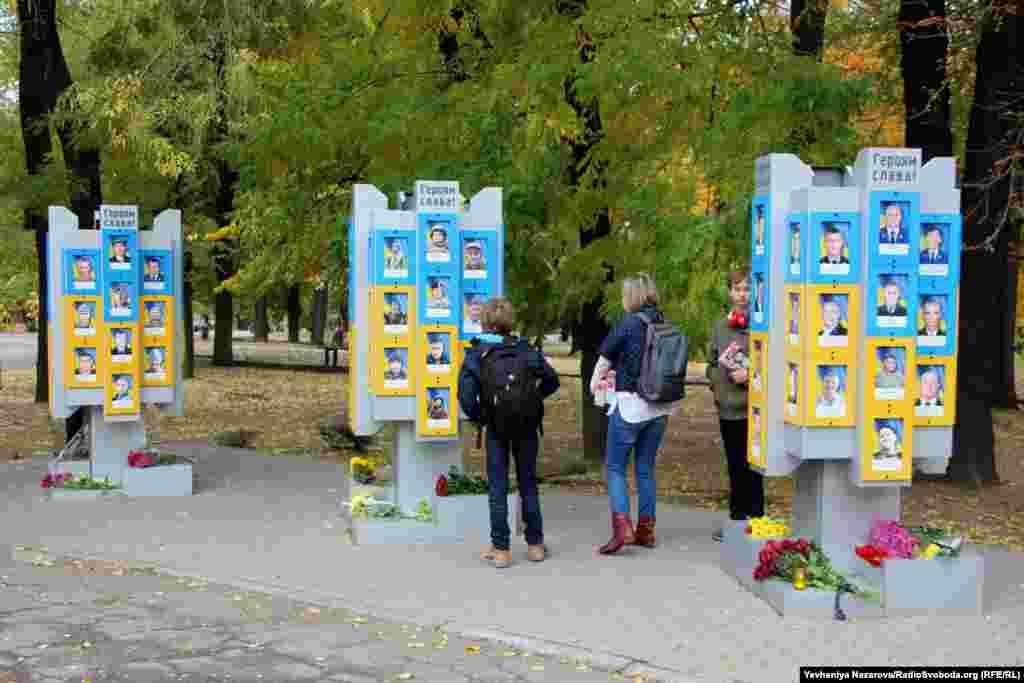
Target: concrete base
471, 515
943, 586
162, 480
457, 519
75, 494
399, 531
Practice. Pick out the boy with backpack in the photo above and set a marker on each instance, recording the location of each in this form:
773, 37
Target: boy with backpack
502, 387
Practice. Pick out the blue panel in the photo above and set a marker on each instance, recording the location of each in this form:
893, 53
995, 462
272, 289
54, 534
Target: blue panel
438, 277
760, 299
120, 275
499, 285
834, 248
440, 241
350, 246
479, 265
158, 278
797, 229
760, 227
896, 314
939, 251
394, 256
82, 272
940, 344
901, 210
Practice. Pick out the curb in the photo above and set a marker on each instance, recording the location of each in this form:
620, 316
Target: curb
628, 667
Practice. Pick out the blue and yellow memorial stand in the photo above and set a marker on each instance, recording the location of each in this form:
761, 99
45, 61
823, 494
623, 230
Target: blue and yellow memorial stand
116, 335
417, 280
856, 286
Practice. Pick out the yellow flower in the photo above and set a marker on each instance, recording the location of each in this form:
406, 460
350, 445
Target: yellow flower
358, 504
931, 551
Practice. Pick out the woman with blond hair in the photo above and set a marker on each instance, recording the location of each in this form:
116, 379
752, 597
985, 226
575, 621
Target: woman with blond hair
634, 425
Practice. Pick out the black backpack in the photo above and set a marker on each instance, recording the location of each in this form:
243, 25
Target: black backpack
510, 390
663, 364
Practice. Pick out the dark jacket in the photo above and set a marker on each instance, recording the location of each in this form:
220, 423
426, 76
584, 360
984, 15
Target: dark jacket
469, 376
624, 347
730, 398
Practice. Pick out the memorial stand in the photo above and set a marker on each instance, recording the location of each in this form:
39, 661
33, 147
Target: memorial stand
855, 278
116, 333
418, 278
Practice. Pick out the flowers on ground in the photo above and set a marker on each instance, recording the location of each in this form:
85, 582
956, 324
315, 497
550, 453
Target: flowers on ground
363, 471
766, 527
781, 560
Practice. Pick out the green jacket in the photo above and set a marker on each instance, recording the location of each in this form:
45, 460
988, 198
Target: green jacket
730, 398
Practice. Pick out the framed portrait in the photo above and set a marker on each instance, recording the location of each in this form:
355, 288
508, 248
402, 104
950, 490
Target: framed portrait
474, 259
894, 230
82, 317
439, 353
439, 408
758, 346
889, 447
756, 454
120, 300
154, 318
798, 229
123, 391
122, 344
935, 391
794, 316
394, 255
939, 251
834, 323
119, 252
396, 369
894, 305
933, 322
760, 223
438, 295
889, 373
831, 397
156, 364
835, 253
760, 301
157, 271
439, 231
472, 312
81, 271
85, 365
396, 313
793, 402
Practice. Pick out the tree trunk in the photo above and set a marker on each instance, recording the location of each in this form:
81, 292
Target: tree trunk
225, 251
992, 137
42, 336
318, 317
262, 332
1007, 395
189, 369
294, 314
925, 41
807, 24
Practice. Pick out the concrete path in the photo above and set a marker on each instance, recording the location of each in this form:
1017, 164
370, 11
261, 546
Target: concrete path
274, 525
71, 620
17, 351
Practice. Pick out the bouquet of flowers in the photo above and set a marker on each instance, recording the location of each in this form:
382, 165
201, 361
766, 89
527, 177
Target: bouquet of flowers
890, 539
733, 358
363, 471
782, 559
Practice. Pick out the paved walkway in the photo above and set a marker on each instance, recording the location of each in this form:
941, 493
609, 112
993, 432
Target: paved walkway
273, 525
72, 620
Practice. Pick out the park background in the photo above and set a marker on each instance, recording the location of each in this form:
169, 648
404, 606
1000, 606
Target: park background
623, 134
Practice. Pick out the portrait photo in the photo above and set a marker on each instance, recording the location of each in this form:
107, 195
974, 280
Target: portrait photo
755, 432
759, 236
893, 232
794, 248
792, 388
396, 312
156, 363
85, 319
438, 408
122, 391
121, 300
934, 258
834, 330
83, 273
154, 273
438, 247
930, 391
85, 364
396, 257
438, 303
931, 320
892, 302
439, 352
396, 368
155, 314
120, 255
889, 454
120, 345
474, 260
834, 249
890, 377
760, 296
757, 365
472, 313
831, 398
793, 314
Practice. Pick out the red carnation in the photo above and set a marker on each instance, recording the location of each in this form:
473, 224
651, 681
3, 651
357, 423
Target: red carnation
47, 482
441, 488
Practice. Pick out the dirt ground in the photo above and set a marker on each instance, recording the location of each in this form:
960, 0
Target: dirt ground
281, 410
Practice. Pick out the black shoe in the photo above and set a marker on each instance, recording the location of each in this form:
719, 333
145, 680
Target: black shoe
718, 536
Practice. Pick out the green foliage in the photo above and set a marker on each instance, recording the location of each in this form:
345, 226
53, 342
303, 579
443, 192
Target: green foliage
460, 484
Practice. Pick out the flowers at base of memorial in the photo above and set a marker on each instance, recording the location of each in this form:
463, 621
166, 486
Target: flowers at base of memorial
782, 560
363, 471
368, 506
66, 480
916, 542
893, 538
55, 479
457, 484
140, 459
872, 554
766, 527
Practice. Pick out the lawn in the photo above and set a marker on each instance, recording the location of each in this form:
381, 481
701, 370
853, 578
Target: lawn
281, 410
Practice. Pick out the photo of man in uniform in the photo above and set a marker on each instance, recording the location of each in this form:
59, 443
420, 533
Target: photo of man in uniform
120, 299
119, 256
758, 297
889, 375
759, 230
892, 230
393, 314
155, 355
892, 308
437, 242
473, 259
794, 248
933, 252
155, 314
122, 343
794, 374
396, 371
794, 316
122, 389
830, 401
396, 263
888, 456
438, 305
929, 402
835, 246
831, 320
154, 272
84, 317
437, 410
86, 366
436, 353
931, 311
84, 274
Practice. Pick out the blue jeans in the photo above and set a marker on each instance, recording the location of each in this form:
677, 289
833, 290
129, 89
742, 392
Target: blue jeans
645, 439
498, 451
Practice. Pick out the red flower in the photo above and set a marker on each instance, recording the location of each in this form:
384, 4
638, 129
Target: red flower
139, 459
750, 530
872, 554
47, 482
441, 488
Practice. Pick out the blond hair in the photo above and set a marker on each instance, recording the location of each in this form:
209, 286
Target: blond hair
499, 316
638, 291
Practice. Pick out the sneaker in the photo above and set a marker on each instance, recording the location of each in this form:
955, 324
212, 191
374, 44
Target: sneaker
536, 553
500, 559
718, 536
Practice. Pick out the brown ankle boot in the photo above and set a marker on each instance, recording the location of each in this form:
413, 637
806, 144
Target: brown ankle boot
622, 534
645, 532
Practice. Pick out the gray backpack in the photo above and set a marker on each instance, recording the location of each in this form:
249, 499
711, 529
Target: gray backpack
663, 364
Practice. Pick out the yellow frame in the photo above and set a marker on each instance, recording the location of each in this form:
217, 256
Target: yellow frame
948, 392
380, 367
794, 415
353, 376
894, 406
74, 341
795, 347
869, 446
758, 366
813, 388
132, 368
166, 340
756, 457
438, 379
422, 426
381, 339
812, 323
